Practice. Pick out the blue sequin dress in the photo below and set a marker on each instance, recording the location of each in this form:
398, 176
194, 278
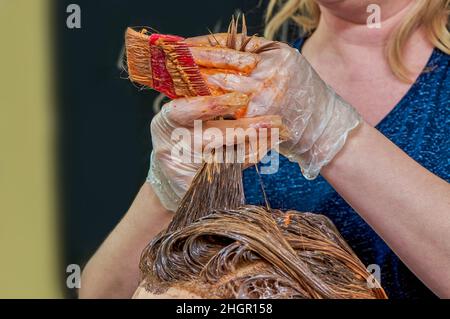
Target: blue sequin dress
420, 125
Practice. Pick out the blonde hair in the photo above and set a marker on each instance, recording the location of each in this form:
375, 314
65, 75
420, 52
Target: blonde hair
432, 15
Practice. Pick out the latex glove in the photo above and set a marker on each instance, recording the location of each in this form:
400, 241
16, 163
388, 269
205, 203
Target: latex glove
284, 83
170, 174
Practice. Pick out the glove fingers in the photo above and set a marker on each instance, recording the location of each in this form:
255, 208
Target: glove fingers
232, 82
224, 58
254, 137
230, 132
185, 110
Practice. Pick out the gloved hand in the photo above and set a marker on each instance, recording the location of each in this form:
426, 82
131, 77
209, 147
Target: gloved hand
284, 83
171, 171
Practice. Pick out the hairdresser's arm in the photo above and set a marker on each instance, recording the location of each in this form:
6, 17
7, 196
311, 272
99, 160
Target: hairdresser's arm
408, 206
113, 271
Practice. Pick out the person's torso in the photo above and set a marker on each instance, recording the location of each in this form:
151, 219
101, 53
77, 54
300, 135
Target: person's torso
419, 125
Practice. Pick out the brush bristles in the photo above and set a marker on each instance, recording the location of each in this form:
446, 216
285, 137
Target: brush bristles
138, 57
185, 75
184, 71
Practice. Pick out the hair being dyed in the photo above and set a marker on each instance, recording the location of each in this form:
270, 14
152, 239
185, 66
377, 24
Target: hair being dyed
217, 247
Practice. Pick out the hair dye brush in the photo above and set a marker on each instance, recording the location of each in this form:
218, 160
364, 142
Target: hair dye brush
169, 66
174, 67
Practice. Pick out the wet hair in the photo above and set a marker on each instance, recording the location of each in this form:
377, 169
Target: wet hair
217, 247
